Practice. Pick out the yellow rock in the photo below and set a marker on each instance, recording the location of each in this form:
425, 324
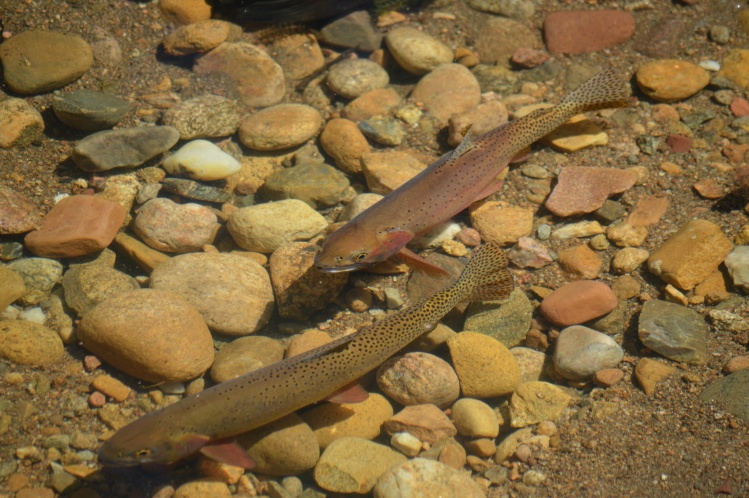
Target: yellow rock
485, 367
577, 133
735, 67
536, 401
649, 372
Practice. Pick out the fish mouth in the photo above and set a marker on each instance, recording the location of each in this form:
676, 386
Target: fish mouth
340, 269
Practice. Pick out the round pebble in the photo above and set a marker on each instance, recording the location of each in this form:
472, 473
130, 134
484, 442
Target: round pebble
29, 343
474, 418
416, 51
345, 143
418, 378
179, 228
355, 77
201, 160
280, 127
447, 90
670, 80
580, 352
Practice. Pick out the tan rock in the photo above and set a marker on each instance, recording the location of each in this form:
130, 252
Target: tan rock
670, 80
244, 355
284, 447
21, 123
449, 89
29, 343
580, 262
649, 372
577, 133
534, 402
377, 102
197, 489
309, 339
386, 171
111, 387
12, 287
425, 422
734, 66
501, 222
345, 143
628, 259
485, 367
418, 378
280, 127
198, 37
185, 11
474, 418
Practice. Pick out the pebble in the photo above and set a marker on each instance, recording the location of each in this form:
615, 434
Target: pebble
499, 38
345, 143
576, 134
532, 363
39, 275
580, 262
111, 387
514, 9
427, 423
579, 31
152, 335
284, 447
201, 160
300, 289
421, 477
418, 378
438, 236
628, 259
406, 444
317, 184
123, 148
383, 130
662, 39
353, 465
690, 254
37, 61
386, 171
76, 226
507, 322
485, 367
182, 12
307, 340
477, 120
244, 355
266, 227
331, 421
674, 331
29, 343
196, 489
608, 377
379, 102
580, 352
232, 293
534, 402
258, 78
20, 123
196, 38
578, 230
207, 116
731, 393
670, 80
89, 110
577, 302
735, 364
582, 190
649, 372
449, 89
498, 221
353, 78
175, 228
474, 418
355, 30
281, 126
89, 284
417, 52
17, 212
734, 67
12, 287
626, 235
737, 264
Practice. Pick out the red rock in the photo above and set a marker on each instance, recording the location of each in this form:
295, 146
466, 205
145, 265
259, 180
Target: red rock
608, 377
740, 107
735, 153
97, 399
709, 189
427, 423
529, 57
578, 32
578, 302
17, 213
582, 190
76, 226
649, 210
679, 143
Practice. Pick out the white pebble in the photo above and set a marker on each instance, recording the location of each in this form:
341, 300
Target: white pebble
406, 443
35, 315
201, 160
172, 387
710, 65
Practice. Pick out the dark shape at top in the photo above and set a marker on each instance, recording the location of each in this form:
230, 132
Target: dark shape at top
286, 11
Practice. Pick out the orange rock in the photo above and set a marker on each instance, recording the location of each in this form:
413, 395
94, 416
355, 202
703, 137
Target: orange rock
578, 302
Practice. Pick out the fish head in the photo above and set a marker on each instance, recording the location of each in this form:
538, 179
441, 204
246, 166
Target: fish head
350, 248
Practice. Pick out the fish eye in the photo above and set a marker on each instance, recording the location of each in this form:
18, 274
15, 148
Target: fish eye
359, 256
142, 453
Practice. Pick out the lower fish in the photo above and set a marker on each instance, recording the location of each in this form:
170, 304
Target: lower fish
207, 421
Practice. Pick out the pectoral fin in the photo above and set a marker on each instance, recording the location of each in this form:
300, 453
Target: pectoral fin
351, 393
392, 239
489, 189
230, 453
521, 156
418, 263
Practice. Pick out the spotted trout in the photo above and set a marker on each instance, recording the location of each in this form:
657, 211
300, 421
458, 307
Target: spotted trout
208, 420
455, 181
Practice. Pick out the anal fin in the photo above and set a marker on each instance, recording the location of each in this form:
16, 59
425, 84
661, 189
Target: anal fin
230, 453
350, 393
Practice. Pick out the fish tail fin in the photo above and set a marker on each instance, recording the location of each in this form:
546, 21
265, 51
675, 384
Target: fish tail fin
486, 276
604, 90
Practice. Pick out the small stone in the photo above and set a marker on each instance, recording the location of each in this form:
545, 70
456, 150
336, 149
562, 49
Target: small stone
501, 222
29, 343
580, 262
674, 331
576, 134
737, 264
280, 127
111, 387
474, 418
416, 51
123, 148
499, 38
422, 477
198, 37
734, 67
533, 402
578, 302
386, 171
735, 364
406, 444
578, 32
582, 190
89, 284
709, 189
730, 392
608, 377
12, 287
670, 80
170, 227
207, 116
507, 322
286, 446
17, 213
649, 372
425, 422
88, 110
578, 230
449, 89
580, 352
379, 102
201, 160
20, 123
485, 367
628, 259
353, 31
418, 378
355, 77
532, 363
627, 235
345, 143
382, 130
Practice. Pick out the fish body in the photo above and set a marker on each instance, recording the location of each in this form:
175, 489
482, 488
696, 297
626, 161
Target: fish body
456, 180
264, 395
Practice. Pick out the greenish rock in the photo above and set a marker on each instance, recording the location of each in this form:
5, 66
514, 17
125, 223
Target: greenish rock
384, 131
534, 402
695, 117
11, 287
673, 331
648, 144
11, 250
545, 72
88, 110
731, 392
496, 78
60, 480
612, 323
610, 211
317, 184
89, 284
508, 322
352, 31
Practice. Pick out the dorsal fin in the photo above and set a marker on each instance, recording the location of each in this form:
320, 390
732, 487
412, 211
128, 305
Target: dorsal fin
464, 146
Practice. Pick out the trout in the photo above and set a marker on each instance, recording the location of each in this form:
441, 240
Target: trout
206, 421
455, 181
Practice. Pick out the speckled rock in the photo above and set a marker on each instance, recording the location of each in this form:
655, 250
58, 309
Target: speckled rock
474, 418
195, 489
201, 160
580, 352
578, 302
266, 227
581, 31
507, 322
419, 378
280, 127
317, 184
671, 80
29, 343
39, 275
345, 143
299, 287
196, 38
421, 478
76, 226
88, 110
123, 148
331, 421
737, 264
20, 123
501, 222
298, 54
352, 78
17, 213
11, 287
284, 447
206, 116
485, 367
734, 67
89, 284
37, 61
185, 11
690, 254
532, 363
383, 130
628, 259
353, 465
153, 335
416, 51
730, 392
674, 331
426, 422
582, 190
386, 171
534, 402
447, 90
170, 227
499, 38
244, 355
231, 292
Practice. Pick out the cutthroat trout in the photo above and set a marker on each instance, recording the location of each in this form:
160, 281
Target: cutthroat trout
455, 181
203, 422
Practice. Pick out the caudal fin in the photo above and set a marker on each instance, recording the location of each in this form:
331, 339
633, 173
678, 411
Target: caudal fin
604, 90
486, 276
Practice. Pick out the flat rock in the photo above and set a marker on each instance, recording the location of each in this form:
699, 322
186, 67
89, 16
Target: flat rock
298, 54
474, 418
89, 284
662, 39
301, 289
284, 447
737, 264
206, 116
480, 119
383, 130
123, 148
243, 355
507, 322
153, 335
425, 422
734, 67
12, 287
37, 61
690, 254
416, 51
578, 31
649, 373
499, 38
578, 302
485, 367
419, 378
196, 38
378, 102
317, 184
421, 477
582, 190
352, 78
649, 210
532, 363
89, 110
498, 221
671, 80
514, 9
353, 31
201, 160
730, 392
176, 228
534, 402
20, 123
628, 259
580, 261
231, 292
345, 143
76, 226
676, 332
580, 352
17, 213
40, 275
28, 343
449, 89
280, 127
386, 171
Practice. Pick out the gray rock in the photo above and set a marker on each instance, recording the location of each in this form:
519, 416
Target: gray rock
674, 331
11, 250
89, 284
354, 77
416, 51
88, 110
737, 264
203, 117
516, 9
319, 185
384, 131
125, 148
353, 30
507, 322
732, 392
580, 352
